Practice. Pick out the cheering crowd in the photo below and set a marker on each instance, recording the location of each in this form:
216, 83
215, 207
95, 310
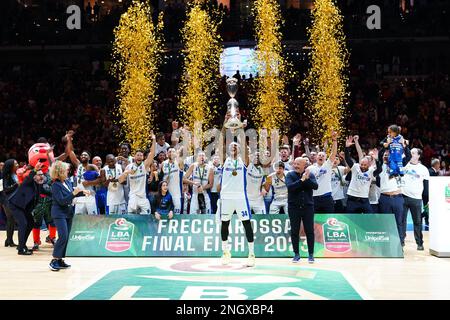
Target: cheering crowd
387, 178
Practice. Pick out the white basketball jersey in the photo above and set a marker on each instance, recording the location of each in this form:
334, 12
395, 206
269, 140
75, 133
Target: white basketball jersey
233, 186
80, 179
138, 180
255, 176
279, 188
115, 194
174, 176
200, 175
217, 176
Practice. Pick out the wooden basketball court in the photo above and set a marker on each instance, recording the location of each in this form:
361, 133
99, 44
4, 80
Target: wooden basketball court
418, 276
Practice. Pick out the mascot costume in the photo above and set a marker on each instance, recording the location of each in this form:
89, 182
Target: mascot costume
43, 153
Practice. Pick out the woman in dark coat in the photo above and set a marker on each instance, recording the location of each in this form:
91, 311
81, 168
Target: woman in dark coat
63, 194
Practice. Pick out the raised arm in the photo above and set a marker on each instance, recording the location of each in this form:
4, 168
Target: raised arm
296, 141
379, 164
148, 162
69, 149
358, 147
307, 151
348, 158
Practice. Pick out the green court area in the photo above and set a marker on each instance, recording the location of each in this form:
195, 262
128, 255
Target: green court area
199, 280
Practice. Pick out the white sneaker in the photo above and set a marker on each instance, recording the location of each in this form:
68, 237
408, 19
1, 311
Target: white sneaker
226, 258
251, 260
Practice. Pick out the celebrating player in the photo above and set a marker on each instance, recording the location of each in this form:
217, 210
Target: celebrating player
233, 198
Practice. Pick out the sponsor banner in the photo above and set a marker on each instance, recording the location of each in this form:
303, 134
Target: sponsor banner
336, 235
439, 206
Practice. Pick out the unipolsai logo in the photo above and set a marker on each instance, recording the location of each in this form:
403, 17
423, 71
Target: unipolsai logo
83, 236
120, 235
336, 236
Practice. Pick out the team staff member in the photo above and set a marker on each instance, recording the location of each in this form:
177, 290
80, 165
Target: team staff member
21, 202
415, 193
322, 170
300, 184
63, 194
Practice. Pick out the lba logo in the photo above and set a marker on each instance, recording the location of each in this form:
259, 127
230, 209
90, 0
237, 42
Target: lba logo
336, 236
120, 235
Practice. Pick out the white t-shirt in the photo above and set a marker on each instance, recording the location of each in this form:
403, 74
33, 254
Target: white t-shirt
323, 177
360, 183
138, 180
255, 176
233, 187
174, 176
338, 183
115, 194
387, 185
412, 181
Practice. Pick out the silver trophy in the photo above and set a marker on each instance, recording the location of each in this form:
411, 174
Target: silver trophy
233, 106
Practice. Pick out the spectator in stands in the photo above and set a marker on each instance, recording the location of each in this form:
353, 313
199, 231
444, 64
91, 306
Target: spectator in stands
435, 168
444, 170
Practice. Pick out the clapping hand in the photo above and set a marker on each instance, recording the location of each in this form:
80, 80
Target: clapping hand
306, 174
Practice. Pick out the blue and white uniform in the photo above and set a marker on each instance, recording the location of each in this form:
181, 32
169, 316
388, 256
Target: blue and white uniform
85, 204
200, 176
280, 194
174, 177
138, 202
115, 196
255, 179
233, 193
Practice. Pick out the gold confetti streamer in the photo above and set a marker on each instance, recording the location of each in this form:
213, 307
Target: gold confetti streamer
326, 82
136, 57
202, 50
271, 111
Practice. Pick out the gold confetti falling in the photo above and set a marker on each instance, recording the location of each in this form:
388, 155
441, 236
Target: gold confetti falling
326, 82
202, 50
271, 111
136, 57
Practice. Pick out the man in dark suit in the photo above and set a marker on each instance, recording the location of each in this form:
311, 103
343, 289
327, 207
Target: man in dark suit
301, 183
21, 203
